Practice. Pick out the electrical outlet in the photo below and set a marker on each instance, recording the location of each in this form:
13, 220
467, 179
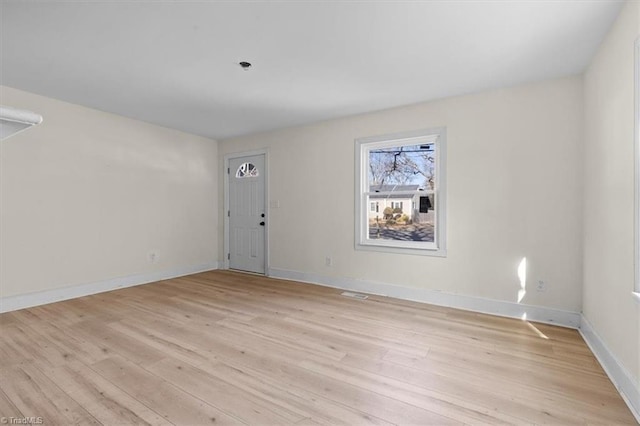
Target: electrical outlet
328, 261
541, 286
153, 256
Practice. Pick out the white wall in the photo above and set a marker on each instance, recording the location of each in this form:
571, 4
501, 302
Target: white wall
86, 196
514, 190
609, 193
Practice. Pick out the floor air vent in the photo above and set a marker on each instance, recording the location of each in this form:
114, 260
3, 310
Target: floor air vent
355, 295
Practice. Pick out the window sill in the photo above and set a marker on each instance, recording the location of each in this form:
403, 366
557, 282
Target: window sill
402, 250
636, 296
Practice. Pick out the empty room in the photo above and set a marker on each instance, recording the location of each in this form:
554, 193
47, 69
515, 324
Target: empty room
320, 212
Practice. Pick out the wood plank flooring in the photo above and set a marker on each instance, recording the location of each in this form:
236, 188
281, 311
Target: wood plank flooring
228, 348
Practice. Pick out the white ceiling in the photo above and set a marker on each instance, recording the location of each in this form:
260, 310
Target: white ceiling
175, 63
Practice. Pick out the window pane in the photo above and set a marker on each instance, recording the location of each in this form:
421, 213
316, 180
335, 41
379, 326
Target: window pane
403, 175
247, 170
400, 219
402, 168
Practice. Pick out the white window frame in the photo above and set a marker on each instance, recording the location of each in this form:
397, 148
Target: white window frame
362, 148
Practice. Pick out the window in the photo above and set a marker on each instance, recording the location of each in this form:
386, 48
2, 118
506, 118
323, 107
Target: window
247, 170
397, 172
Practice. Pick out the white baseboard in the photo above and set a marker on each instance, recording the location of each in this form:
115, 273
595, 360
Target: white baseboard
619, 375
469, 303
13, 303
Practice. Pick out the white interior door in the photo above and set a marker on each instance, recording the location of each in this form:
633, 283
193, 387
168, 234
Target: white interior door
247, 215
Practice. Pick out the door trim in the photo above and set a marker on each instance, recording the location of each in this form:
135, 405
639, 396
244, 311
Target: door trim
227, 158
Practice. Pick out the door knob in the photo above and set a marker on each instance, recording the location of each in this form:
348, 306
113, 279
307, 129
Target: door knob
262, 223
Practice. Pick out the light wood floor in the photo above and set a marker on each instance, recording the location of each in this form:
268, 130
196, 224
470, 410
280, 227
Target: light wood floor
228, 348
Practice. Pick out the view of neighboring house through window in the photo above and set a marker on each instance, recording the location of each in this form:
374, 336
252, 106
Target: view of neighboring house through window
402, 177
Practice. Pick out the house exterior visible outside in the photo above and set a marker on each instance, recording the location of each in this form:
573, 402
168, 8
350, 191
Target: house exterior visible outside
408, 204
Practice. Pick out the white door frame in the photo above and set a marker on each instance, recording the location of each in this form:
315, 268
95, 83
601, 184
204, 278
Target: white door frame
226, 173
